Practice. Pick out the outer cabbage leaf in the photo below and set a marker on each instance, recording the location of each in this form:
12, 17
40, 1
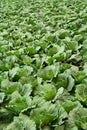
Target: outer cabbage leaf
22, 122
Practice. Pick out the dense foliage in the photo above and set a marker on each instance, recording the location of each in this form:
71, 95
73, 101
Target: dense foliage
43, 65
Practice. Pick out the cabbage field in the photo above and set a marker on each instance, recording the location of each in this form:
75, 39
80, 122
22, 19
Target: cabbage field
43, 65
